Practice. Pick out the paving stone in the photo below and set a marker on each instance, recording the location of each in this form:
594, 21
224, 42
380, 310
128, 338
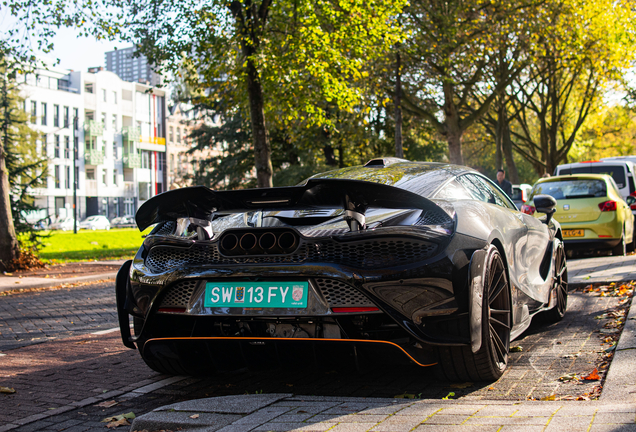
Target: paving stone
614, 418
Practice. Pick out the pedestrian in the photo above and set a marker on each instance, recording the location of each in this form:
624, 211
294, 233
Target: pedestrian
504, 184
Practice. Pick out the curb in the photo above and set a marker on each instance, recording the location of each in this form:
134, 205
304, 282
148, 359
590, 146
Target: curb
25, 283
620, 382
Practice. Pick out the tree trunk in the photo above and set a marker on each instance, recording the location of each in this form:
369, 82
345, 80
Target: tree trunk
504, 144
399, 150
499, 126
453, 129
9, 248
260, 137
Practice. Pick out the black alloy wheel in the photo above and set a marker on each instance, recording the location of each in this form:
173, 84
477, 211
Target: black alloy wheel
491, 360
560, 285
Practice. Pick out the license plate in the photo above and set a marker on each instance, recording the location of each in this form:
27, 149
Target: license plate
256, 295
573, 233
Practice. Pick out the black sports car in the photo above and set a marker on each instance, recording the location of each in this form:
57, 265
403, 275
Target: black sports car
429, 261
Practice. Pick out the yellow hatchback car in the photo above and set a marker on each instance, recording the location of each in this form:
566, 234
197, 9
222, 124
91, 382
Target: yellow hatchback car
591, 211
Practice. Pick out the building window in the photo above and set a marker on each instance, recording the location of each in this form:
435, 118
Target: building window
115, 97
57, 146
114, 122
171, 162
90, 173
145, 159
67, 147
178, 135
76, 178
115, 150
43, 113
114, 177
104, 174
66, 117
103, 95
89, 88
34, 111
68, 177
56, 115
170, 134
57, 176
75, 115
104, 120
44, 144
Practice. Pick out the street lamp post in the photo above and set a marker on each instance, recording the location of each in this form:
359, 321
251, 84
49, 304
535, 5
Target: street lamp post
75, 174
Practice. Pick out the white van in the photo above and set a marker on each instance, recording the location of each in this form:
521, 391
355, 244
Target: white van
621, 170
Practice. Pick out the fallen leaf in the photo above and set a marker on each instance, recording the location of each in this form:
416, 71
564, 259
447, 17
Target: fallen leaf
129, 415
449, 396
461, 385
107, 404
569, 377
491, 388
571, 355
516, 349
608, 331
592, 376
301, 412
610, 349
548, 398
115, 424
194, 416
7, 390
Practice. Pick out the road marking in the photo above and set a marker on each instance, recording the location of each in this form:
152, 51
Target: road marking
101, 332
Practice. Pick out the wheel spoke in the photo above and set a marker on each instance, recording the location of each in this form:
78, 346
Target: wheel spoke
498, 289
499, 311
499, 323
499, 345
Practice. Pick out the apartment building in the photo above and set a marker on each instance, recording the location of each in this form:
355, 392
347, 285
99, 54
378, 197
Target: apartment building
128, 67
119, 145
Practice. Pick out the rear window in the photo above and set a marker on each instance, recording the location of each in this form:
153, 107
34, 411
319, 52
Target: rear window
616, 171
517, 194
570, 189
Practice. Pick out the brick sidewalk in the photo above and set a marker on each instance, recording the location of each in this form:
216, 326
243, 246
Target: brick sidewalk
586, 271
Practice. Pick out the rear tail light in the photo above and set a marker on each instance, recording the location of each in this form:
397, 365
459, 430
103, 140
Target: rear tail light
528, 209
524, 195
607, 206
633, 206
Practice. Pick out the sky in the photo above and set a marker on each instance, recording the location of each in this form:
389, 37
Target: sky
80, 53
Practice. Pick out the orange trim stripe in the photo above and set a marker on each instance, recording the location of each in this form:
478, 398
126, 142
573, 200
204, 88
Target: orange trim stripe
295, 339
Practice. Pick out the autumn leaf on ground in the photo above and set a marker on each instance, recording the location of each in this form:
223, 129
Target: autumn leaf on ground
7, 390
569, 377
449, 396
107, 404
115, 424
593, 376
130, 415
548, 398
516, 349
405, 396
461, 385
194, 416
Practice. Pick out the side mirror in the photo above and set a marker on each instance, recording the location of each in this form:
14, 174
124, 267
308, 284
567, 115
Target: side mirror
545, 204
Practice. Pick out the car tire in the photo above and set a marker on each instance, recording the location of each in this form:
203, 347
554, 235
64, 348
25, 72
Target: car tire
631, 246
560, 280
621, 248
491, 360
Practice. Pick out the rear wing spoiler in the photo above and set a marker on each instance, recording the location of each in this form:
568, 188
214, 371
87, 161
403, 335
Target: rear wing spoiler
354, 196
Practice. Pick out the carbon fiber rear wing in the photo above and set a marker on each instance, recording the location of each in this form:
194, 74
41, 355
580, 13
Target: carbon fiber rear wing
354, 196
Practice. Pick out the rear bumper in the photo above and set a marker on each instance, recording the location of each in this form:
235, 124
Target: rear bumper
579, 244
205, 355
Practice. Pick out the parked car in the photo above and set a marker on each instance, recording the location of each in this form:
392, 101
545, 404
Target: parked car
622, 171
390, 258
520, 194
123, 222
591, 211
64, 224
96, 222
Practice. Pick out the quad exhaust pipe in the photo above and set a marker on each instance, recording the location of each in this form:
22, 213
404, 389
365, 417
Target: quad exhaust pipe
257, 242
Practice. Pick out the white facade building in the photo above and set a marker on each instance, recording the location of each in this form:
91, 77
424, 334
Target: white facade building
120, 141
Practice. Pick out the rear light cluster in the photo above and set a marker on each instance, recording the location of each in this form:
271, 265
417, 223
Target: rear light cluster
607, 206
528, 209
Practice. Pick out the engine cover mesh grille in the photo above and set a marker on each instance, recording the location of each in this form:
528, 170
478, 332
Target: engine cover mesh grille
340, 294
180, 294
378, 253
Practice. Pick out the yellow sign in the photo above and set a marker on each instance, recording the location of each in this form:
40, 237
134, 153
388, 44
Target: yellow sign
153, 140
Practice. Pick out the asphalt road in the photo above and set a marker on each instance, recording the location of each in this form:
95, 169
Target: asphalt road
61, 370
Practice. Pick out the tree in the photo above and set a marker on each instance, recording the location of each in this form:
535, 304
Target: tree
590, 45
269, 57
448, 54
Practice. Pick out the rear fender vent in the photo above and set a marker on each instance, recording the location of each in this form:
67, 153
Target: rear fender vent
340, 294
179, 294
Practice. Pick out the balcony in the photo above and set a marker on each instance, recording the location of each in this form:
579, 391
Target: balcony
94, 128
131, 133
94, 157
132, 160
